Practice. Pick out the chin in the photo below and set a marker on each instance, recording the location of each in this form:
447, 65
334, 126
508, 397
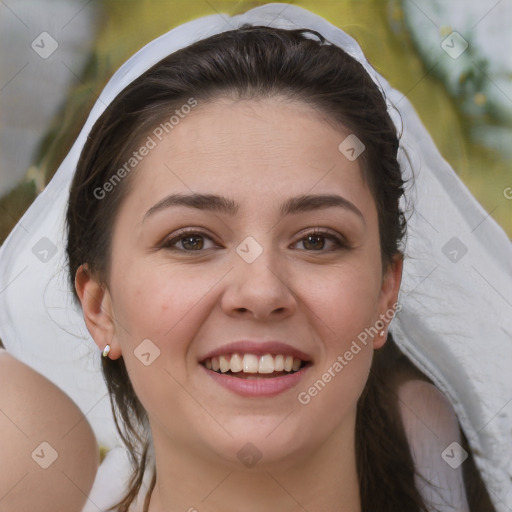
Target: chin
263, 443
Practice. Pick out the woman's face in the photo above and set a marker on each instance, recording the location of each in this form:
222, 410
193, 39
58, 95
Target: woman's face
246, 233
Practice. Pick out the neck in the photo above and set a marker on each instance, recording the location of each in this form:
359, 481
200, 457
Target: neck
324, 481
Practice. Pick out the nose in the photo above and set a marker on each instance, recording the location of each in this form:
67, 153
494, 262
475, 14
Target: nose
260, 289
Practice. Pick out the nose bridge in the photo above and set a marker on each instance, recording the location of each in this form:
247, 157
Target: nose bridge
260, 263
259, 282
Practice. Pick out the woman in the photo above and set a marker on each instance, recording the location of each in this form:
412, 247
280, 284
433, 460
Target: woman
257, 147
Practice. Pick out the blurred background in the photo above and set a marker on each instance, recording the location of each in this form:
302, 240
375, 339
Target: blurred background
57, 55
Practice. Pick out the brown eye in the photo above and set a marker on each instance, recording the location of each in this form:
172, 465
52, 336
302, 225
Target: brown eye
187, 241
316, 242
192, 242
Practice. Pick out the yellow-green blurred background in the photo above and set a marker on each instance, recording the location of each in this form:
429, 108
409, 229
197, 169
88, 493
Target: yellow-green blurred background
378, 25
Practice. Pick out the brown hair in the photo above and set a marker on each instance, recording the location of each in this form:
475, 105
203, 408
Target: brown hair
251, 62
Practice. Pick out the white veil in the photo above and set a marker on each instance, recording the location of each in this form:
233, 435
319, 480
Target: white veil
456, 318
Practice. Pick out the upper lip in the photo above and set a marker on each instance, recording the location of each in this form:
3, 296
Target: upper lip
257, 348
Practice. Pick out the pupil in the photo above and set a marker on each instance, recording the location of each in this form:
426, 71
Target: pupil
317, 238
190, 239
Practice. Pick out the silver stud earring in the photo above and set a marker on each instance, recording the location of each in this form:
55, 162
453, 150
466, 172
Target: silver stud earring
106, 350
382, 333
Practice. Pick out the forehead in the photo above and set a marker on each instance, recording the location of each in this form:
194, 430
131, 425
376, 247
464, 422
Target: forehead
256, 149
238, 134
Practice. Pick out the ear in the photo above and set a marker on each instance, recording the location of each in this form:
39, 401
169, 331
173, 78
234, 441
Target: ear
97, 310
388, 297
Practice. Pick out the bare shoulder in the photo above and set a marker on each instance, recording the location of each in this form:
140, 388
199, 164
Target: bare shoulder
421, 401
434, 437
49, 452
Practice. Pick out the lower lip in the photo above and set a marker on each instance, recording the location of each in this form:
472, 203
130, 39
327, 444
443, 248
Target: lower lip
264, 387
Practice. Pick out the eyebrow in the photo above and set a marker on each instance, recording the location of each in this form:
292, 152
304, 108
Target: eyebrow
219, 204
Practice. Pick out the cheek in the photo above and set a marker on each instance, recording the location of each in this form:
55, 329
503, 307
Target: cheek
346, 310
152, 301
167, 305
155, 308
345, 307
345, 301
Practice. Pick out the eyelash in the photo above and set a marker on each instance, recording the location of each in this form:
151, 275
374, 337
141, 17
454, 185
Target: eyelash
339, 242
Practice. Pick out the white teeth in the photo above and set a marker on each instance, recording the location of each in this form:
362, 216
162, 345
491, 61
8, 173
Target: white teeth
250, 363
224, 364
253, 364
236, 363
267, 364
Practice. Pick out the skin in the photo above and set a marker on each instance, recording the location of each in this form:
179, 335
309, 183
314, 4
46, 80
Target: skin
431, 425
258, 153
32, 411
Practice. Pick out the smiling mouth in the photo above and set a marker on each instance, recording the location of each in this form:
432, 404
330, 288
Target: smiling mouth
251, 366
